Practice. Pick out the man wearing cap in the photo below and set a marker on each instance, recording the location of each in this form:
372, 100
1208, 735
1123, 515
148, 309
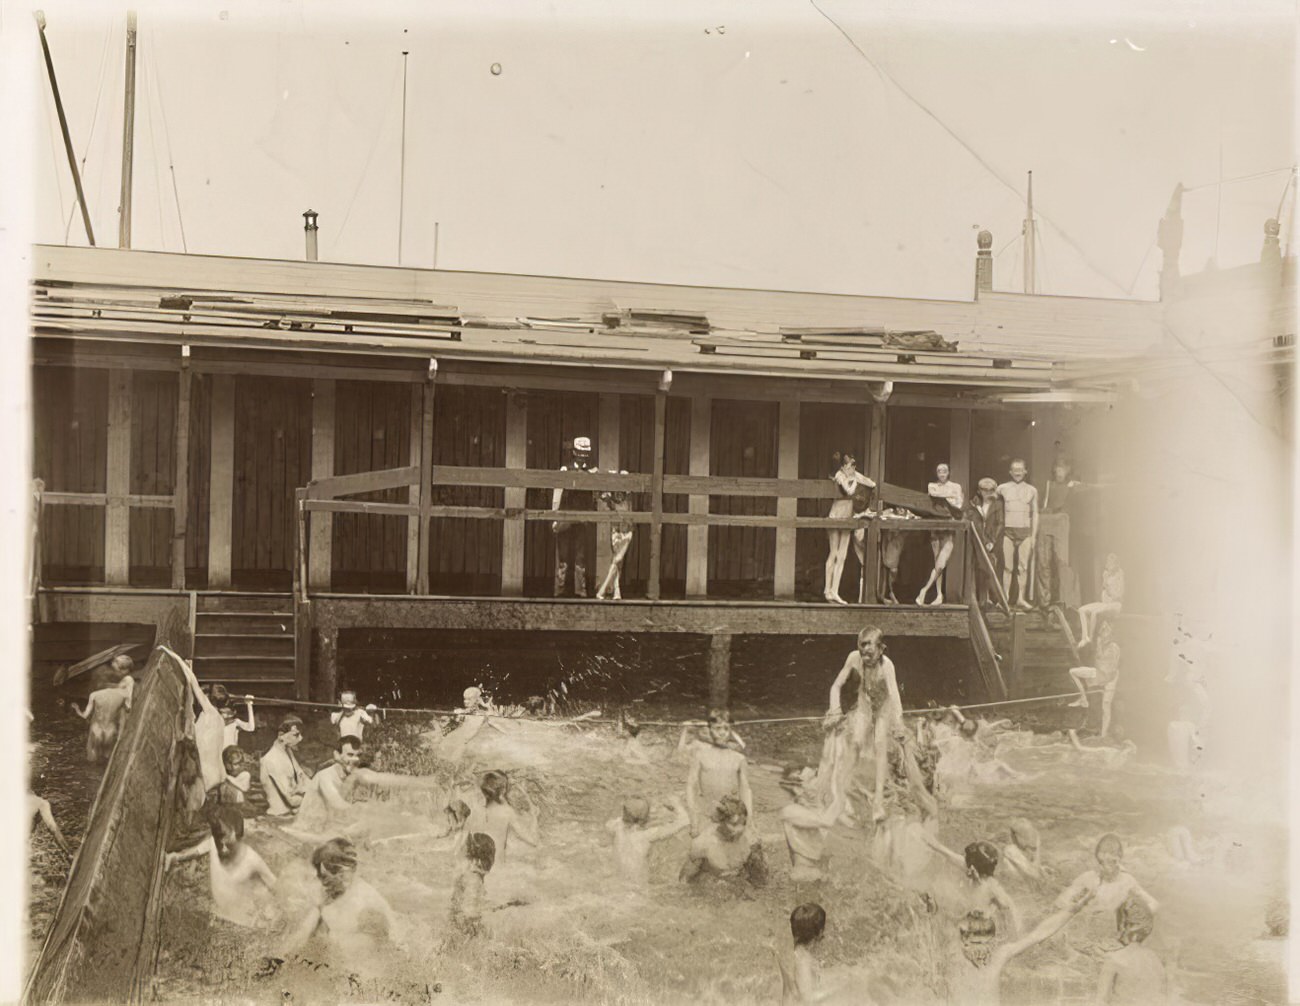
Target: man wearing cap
985, 514
571, 539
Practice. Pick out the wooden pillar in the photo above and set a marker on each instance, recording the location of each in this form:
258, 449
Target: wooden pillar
512, 534
181, 480
787, 467
326, 679
607, 460
117, 514
719, 671
959, 471
657, 493
697, 535
320, 541
221, 481
870, 593
417, 528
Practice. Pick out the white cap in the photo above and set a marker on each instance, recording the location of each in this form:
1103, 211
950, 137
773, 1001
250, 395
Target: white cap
582, 444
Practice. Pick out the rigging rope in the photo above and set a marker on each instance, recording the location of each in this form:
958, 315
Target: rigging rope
365, 170
167, 139
94, 119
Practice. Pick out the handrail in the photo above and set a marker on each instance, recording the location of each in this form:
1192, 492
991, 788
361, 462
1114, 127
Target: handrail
36, 559
977, 543
986, 657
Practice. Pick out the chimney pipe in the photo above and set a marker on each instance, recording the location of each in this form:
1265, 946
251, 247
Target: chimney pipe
984, 264
311, 228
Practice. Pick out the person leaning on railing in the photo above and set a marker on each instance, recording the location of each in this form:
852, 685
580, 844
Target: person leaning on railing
571, 536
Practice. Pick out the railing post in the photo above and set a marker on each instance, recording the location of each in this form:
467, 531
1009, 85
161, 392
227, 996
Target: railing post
512, 533
697, 535
657, 494
787, 507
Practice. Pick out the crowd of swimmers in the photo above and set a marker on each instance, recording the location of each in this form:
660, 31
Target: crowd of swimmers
875, 773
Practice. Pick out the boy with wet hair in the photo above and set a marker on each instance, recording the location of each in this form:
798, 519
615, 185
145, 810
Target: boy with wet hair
470, 891
1110, 884
350, 719
806, 823
717, 771
731, 848
633, 836
105, 711
983, 893
801, 980
1133, 975
498, 819
234, 869
1022, 853
232, 724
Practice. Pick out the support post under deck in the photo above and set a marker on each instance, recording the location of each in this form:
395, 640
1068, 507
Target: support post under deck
719, 671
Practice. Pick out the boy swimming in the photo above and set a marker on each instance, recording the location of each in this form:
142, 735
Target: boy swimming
983, 892
731, 848
633, 836
806, 823
1133, 975
717, 771
498, 820
240, 880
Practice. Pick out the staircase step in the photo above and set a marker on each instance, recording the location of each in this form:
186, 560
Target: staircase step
246, 603
243, 623
253, 668
230, 644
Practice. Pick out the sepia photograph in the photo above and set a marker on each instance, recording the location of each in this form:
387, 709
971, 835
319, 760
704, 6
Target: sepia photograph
558, 501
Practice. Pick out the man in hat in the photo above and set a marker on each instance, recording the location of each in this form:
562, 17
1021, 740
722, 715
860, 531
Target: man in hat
571, 539
984, 512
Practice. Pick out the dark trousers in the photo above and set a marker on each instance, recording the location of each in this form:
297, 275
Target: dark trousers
571, 546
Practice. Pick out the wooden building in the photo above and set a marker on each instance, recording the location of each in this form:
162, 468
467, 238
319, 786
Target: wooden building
286, 449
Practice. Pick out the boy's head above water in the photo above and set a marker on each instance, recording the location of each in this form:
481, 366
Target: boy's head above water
731, 816
495, 785
807, 923
1134, 921
636, 810
227, 825
719, 726
481, 851
335, 863
1024, 834
348, 700
1109, 854
981, 859
457, 812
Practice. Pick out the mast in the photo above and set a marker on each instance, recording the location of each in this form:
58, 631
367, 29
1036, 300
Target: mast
1029, 238
128, 136
63, 125
401, 185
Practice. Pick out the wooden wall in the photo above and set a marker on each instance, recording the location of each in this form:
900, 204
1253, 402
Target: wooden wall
272, 459
636, 454
153, 473
469, 429
372, 431
200, 461
70, 433
742, 442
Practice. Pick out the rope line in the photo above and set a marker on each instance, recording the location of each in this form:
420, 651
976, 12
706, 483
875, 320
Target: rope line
167, 140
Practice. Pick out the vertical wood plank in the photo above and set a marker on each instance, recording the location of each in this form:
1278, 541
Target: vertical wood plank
719, 671
959, 427
607, 460
117, 516
181, 479
320, 541
787, 467
221, 480
512, 532
415, 494
876, 431
657, 492
426, 484
697, 535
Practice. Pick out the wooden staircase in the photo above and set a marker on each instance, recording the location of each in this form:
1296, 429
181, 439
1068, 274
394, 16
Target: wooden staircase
246, 642
1037, 650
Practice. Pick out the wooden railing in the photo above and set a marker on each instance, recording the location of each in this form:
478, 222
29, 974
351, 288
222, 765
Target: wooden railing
324, 496
34, 558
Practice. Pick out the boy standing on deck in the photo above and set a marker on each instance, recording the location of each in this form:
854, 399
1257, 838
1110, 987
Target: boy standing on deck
351, 720
717, 771
1019, 532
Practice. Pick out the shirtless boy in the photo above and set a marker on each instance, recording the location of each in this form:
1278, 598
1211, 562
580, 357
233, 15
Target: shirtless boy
1022, 854
1133, 975
350, 719
1019, 532
105, 711
633, 836
730, 848
235, 870
1103, 674
717, 771
983, 893
498, 820
330, 796
470, 890
806, 823
356, 918
1110, 884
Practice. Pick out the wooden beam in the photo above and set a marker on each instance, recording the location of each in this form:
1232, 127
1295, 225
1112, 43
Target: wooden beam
333, 486
426, 485
720, 670
512, 534
703, 618
697, 536
181, 479
221, 482
320, 540
117, 519
607, 458
326, 679
657, 494
103, 499
787, 467
876, 431
414, 493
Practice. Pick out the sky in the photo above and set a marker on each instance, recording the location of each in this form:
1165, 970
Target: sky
799, 144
